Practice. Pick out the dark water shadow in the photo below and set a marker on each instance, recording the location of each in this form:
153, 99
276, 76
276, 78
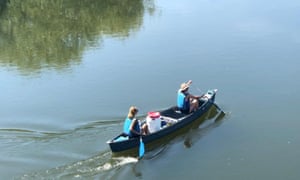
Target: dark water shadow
3, 6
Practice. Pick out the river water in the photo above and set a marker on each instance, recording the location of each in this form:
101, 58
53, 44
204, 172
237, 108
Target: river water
69, 71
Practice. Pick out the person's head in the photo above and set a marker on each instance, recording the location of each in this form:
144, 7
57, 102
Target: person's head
184, 87
132, 112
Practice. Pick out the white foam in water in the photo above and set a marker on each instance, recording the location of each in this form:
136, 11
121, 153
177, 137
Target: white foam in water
119, 162
126, 160
106, 166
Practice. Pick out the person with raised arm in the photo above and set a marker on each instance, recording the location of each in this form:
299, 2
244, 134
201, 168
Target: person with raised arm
187, 102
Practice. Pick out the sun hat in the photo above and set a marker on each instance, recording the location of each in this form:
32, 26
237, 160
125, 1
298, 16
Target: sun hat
184, 86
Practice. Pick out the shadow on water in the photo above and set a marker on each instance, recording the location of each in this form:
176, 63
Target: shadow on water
54, 34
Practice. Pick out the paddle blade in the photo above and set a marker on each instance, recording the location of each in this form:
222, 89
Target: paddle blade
142, 148
220, 116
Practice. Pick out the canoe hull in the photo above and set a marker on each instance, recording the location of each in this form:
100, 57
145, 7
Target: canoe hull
153, 140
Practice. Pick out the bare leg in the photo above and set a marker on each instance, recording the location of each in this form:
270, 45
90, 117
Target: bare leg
145, 129
194, 105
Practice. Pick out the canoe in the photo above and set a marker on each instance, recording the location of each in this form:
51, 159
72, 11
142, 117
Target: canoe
172, 120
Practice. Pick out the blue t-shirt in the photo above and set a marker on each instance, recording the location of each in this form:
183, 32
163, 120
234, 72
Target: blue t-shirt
126, 127
182, 102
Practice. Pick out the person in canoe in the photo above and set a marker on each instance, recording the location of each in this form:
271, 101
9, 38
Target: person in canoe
132, 126
187, 102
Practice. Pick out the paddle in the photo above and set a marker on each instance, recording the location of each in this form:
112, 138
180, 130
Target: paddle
141, 148
222, 112
221, 115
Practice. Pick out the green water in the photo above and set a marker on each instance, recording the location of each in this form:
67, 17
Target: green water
69, 70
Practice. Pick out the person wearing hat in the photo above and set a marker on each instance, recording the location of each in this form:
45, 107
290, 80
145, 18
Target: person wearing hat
132, 126
187, 102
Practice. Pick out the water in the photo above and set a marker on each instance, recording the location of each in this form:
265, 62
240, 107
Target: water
70, 70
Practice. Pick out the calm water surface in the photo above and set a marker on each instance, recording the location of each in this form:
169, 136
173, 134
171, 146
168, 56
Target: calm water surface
70, 70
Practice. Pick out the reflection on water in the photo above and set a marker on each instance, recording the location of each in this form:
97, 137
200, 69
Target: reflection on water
2, 6
54, 34
214, 120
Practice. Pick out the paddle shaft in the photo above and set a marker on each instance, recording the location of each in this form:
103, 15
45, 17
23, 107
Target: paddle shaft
219, 108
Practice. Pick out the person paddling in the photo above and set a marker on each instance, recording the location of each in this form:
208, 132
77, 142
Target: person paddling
187, 102
132, 126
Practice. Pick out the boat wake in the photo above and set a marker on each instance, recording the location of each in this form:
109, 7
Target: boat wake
101, 166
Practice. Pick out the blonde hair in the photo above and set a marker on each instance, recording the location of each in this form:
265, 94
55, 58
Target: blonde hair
132, 112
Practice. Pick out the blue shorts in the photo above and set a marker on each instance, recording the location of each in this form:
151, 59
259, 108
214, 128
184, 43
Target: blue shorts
186, 107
